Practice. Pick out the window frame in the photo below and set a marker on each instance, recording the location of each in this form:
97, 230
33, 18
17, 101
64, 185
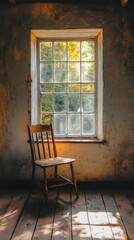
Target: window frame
97, 34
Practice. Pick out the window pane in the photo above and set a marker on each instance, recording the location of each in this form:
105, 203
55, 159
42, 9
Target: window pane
60, 51
88, 70
46, 51
74, 51
60, 124
88, 124
73, 87
73, 102
47, 103
88, 103
46, 72
46, 118
74, 124
88, 88
59, 87
59, 102
46, 87
74, 72
87, 50
59, 72
67, 85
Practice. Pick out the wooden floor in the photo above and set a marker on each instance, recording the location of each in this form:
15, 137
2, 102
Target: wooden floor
97, 214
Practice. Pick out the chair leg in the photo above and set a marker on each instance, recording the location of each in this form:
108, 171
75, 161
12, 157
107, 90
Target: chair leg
55, 172
74, 179
33, 173
45, 185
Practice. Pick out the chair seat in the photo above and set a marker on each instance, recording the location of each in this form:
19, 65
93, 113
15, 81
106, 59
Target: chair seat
51, 162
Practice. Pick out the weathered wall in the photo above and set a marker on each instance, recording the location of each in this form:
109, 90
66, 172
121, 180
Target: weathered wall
112, 160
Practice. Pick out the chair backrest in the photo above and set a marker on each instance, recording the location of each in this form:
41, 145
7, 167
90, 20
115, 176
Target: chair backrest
42, 143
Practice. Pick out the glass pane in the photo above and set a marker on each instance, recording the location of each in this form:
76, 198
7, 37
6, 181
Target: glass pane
59, 87
87, 51
60, 124
88, 72
46, 87
74, 72
46, 72
73, 87
46, 51
74, 51
47, 103
60, 51
88, 104
88, 88
59, 72
73, 103
46, 118
88, 124
73, 124
59, 102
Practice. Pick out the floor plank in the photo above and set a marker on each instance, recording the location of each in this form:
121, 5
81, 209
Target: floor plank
11, 215
127, 213
27, 222
99, 222
80, 223
114, 217
5, 201
131, 197
62, 219
44, 227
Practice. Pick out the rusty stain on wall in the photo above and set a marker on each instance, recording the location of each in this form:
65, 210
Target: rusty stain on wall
125, 159
46, 10
3, 97
17, 54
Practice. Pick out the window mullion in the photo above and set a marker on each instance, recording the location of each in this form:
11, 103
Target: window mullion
53, 72
80, 91
39, 87
96, 87
67, 113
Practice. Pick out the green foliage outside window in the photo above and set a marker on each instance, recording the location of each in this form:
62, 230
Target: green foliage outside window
67, 84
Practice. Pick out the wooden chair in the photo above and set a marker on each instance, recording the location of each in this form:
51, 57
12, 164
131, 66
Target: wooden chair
44, 155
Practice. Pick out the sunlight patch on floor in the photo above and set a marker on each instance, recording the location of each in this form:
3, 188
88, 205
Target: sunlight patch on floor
99, 224
4, 219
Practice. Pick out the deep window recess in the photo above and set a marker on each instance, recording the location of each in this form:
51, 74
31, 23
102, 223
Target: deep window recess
67, 86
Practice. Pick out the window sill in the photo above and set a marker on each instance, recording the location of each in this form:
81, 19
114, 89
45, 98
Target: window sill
79, 141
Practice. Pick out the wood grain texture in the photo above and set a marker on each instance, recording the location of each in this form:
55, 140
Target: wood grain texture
96, 215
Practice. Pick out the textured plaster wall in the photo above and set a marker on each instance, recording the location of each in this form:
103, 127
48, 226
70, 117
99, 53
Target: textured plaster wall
112, 160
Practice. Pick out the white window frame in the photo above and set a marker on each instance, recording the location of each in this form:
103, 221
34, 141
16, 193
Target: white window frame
69, 34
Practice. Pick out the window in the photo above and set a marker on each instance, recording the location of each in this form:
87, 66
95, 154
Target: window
67, 86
